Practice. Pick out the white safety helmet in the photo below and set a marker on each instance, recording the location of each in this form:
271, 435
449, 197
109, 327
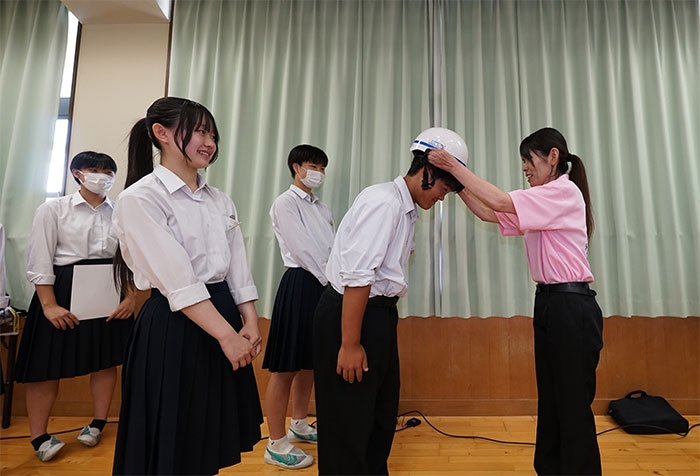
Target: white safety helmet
441, 138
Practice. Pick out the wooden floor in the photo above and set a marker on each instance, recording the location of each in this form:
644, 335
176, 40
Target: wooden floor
418, 451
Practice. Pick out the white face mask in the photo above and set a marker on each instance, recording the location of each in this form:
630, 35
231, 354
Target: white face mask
313, 178
97, 183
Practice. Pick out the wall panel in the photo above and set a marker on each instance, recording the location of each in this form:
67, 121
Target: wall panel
486, 366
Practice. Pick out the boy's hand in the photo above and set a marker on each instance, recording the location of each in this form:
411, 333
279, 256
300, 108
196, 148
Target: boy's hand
352, 361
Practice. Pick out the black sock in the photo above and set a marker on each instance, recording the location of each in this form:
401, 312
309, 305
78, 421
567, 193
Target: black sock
99, 424
36, 442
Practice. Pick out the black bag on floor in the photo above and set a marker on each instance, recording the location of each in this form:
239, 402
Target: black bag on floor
642, 414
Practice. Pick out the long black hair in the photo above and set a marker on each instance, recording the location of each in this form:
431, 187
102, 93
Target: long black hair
182, 115
542, 142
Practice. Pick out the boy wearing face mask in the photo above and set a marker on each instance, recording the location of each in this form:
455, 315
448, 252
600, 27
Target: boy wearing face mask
72, 230
304, 229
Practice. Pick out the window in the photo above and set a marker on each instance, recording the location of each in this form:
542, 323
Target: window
55, 185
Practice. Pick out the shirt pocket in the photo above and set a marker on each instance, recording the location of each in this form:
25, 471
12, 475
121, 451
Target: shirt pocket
231, 223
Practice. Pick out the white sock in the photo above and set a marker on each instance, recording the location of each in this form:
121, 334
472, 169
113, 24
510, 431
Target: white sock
299, 423
279, 446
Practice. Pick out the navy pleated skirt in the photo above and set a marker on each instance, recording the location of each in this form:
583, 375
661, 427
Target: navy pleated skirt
184, 409
290, 340
47, 353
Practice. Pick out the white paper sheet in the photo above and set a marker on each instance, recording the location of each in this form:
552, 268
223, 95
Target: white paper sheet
93, 294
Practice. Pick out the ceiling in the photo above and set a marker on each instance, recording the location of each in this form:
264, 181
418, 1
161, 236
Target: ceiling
119, 11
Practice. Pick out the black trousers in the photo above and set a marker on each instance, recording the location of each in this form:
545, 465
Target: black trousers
356, 422
568, 339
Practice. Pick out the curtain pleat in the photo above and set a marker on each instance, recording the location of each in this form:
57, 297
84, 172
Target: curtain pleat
619, 80
349, 77
361, 78
33, 38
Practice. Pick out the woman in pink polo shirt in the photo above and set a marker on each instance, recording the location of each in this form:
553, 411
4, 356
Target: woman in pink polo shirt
555, 218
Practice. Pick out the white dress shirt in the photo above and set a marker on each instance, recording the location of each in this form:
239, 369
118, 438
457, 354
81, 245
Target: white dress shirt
65, 231
374, 241
304, 229
177, 240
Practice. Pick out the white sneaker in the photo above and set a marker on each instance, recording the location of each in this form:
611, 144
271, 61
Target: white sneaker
302, 434
49, 448
89, 436
293, 458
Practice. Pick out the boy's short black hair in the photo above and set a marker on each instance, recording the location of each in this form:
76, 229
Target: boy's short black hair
306, 153
92, 160
420, 161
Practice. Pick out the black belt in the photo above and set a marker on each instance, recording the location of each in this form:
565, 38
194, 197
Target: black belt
576, 288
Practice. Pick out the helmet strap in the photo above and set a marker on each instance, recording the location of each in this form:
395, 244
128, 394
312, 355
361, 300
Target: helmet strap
426, 183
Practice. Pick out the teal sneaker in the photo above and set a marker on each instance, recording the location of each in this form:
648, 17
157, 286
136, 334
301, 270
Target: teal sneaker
294, 458
89, 436
302, 434
49, 448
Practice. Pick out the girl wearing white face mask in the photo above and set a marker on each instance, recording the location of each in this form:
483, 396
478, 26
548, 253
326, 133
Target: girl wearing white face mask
304, 229
95, 181
75, 229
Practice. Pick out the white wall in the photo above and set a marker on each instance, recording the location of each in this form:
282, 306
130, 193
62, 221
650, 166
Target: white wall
121, 70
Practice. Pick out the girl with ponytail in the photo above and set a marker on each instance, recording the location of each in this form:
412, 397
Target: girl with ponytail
190, 403
554, 216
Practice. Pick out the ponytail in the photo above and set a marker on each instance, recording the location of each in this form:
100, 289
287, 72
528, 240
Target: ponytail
577, 174
140, 164
542, 142
140, 152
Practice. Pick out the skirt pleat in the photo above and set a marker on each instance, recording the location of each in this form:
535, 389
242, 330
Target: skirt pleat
184, 410
289, 344
46, 353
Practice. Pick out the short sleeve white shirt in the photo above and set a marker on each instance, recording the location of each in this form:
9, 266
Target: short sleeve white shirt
65, 231
374, 241
178, 241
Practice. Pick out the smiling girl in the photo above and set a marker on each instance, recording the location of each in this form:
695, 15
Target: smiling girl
190, 403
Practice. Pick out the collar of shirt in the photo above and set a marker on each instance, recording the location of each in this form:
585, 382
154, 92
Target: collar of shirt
309, 197
173, 183
77, 199
407, 204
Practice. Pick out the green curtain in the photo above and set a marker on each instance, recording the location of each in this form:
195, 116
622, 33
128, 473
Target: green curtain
620, 80
350, 77
33, 37
361, 78
484, 274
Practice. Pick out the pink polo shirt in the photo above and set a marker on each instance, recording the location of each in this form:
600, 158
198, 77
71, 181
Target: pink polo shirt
552, 218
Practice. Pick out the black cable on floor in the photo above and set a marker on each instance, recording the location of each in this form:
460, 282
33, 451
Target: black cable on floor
404, 427
471, 437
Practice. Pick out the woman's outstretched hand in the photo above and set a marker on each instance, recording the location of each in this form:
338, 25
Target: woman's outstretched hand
442, 159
